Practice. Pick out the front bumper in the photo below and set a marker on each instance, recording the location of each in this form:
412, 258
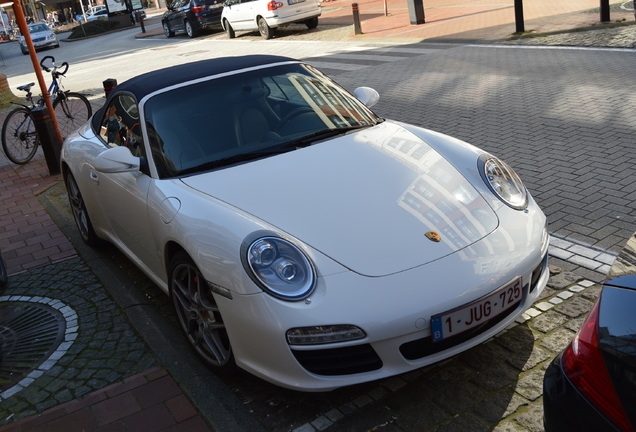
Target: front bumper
394, 311
39, 44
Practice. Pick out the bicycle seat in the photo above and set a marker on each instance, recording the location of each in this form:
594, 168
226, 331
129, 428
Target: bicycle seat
26, 87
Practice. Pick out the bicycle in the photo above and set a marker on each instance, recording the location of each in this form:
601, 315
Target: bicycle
19, 138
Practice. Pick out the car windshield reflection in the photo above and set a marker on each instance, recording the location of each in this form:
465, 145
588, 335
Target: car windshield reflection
246, 116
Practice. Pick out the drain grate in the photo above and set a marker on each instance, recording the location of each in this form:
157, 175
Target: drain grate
30, 333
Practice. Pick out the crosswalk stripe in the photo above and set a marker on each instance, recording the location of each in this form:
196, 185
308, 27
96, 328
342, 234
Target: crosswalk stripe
394, 49
351, 56
337, 66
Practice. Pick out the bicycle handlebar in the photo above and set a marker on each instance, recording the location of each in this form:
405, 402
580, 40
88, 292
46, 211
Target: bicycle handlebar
56, 69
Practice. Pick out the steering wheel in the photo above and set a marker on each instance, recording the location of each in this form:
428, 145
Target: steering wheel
295, 113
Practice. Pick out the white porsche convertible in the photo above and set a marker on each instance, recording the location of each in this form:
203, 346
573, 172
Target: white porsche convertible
299, 235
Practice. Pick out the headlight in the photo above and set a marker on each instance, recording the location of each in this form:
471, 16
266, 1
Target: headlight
503, 181
280, 268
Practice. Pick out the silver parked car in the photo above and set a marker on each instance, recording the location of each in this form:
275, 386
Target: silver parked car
42, 37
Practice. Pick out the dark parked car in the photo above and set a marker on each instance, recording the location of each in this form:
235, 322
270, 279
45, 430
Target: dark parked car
191, 17
591, 385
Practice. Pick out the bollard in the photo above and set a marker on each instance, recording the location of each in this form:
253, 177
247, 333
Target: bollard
416, 12
140, 18
51, 145
109, 85
605, 11
356, 18
520, 26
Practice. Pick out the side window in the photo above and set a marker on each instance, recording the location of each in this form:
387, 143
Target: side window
120, 126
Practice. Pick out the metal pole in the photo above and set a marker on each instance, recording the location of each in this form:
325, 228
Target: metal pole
520, 26
605, 11
24, 30
356, 19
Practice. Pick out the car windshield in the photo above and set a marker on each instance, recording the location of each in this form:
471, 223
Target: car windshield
247, 116
38, 28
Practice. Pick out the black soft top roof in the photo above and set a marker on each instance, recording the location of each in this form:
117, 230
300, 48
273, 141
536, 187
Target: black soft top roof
150, 82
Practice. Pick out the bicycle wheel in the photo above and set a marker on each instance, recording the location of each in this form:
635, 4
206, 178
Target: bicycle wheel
72, 110
19, 137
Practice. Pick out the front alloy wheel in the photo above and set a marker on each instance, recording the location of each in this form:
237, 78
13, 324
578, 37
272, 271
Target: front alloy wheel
166, 30
199, 314
229, 30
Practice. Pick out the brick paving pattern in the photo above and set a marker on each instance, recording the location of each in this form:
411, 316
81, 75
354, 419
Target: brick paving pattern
28, 236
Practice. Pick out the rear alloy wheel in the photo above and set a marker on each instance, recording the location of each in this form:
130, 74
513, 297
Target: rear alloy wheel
312, 23
166, 30
229, 30
80, 213
199, 314
190, 31
264, 29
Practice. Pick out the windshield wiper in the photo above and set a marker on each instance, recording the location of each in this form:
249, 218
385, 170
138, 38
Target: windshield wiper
322, 135
243, 157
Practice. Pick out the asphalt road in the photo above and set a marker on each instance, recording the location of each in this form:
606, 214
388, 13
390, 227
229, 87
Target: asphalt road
562, 117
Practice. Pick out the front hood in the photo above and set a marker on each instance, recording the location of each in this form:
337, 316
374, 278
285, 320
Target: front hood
367, 200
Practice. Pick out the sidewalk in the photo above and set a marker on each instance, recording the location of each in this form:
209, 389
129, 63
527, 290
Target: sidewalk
478, 21
144, 395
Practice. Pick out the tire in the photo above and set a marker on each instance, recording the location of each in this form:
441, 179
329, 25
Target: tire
19, 137
229, 30
80, 213
72, 110
190, 30
264, 29
166, 30
312, 23
199, 314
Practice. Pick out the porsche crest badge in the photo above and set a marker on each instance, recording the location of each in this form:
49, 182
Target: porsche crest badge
433, 236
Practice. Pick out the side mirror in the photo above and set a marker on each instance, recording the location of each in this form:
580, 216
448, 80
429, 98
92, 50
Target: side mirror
117, 160
367, 96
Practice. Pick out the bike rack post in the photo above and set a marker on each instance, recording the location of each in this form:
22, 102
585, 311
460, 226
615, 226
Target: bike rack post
51, 145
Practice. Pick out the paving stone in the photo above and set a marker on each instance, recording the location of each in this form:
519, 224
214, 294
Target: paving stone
530, 385
532, 417
548, 321
556, 341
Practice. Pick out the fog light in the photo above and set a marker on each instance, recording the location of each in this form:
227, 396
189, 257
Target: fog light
324, 334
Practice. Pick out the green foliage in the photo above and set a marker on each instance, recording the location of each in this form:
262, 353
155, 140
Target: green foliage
93, 28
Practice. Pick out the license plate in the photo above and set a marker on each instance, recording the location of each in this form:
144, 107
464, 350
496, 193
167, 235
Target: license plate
291, 2
456, 321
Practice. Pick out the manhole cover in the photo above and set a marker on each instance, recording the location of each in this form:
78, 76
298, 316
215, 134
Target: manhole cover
30, 334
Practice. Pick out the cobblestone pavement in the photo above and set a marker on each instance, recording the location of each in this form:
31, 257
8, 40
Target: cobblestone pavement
101, 349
